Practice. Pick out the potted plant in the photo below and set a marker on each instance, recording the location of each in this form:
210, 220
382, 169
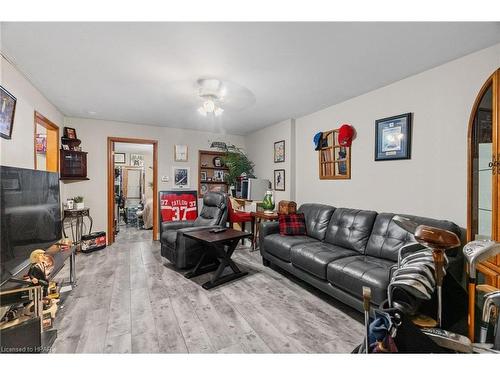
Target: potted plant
238, 164
78, 202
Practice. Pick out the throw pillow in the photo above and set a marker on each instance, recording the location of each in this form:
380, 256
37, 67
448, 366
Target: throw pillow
292, 225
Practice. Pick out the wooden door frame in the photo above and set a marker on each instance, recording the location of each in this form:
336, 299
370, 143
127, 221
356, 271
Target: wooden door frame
38, 118
493, 81
111, 179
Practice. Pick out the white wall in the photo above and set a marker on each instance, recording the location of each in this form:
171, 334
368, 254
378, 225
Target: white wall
94, 134
19, 151
260, 148
433, 182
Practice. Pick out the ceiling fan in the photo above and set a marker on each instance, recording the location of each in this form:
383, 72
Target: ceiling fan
212, 91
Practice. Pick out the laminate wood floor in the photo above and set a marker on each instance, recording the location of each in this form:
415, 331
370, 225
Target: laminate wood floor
128, 300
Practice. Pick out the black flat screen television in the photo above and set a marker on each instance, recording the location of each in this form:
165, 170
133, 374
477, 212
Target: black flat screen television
30, 214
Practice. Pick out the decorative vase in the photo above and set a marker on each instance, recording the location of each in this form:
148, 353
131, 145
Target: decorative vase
268, 202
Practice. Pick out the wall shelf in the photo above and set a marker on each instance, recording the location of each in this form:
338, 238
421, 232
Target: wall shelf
334, 160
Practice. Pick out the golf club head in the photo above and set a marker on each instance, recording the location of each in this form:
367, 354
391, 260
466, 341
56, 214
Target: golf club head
421, 258
405, 223
420, 269
449, 340
430, 265
418, 254
415, 276
490, 301
436, 238
411, 286
478, 251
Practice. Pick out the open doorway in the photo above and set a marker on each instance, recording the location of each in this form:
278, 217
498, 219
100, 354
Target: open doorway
46, 144
132, 188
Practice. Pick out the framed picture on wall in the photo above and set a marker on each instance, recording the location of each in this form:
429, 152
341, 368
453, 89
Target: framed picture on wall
279, 179
7, 111
181, 177
41, 143
178, 205
119, 157
137, 160
393, 138
69, 132
203, 176
279, 151
180, 152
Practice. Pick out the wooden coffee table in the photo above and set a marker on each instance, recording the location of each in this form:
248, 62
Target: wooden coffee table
222, 245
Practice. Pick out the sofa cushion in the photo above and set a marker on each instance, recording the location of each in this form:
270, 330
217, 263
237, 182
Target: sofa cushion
292, 225
350, 228
353, 273
317, 218
280, 246
387, 237
314, 257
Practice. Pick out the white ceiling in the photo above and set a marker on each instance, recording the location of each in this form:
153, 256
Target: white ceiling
145, 72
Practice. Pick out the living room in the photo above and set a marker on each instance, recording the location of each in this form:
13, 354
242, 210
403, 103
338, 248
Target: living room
250, 187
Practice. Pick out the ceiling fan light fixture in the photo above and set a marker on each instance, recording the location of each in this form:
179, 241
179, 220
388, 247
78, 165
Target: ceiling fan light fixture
218, 111
209, 106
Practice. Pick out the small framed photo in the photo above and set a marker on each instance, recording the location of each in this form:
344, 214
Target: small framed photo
217, 161
393, 138
279, 179
180, 152
119, 157
218, 175
7, 111
203, 176
70, 133
41, 143
137, 160
279, 151
181, 177
65, 147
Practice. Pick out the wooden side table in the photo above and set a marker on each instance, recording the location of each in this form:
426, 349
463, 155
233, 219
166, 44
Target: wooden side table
260, 216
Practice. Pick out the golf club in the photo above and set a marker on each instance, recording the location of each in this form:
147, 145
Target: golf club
411, 286
415, 276
367, 296
421, 270
476, 252
491, 300
449, 340
439, 240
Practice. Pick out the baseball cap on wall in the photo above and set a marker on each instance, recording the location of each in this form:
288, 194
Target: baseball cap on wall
346, 133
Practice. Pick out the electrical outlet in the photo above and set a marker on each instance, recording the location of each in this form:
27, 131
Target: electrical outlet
164, 178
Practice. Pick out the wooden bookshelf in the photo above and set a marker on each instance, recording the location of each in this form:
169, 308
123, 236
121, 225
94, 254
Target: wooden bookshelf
334, 159
212, 173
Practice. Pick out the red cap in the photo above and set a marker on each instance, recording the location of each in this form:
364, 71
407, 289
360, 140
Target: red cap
346, 132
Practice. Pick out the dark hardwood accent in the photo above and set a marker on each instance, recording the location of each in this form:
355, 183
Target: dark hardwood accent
222, 246
111, 176
73, 165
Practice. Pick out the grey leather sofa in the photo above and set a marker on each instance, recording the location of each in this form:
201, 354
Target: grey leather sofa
183, 252
344, 250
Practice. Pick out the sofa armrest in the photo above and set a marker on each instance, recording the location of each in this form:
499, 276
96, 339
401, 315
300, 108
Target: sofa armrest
268, 227
175, 225
265, 229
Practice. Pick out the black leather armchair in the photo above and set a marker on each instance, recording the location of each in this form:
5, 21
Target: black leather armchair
184, 252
